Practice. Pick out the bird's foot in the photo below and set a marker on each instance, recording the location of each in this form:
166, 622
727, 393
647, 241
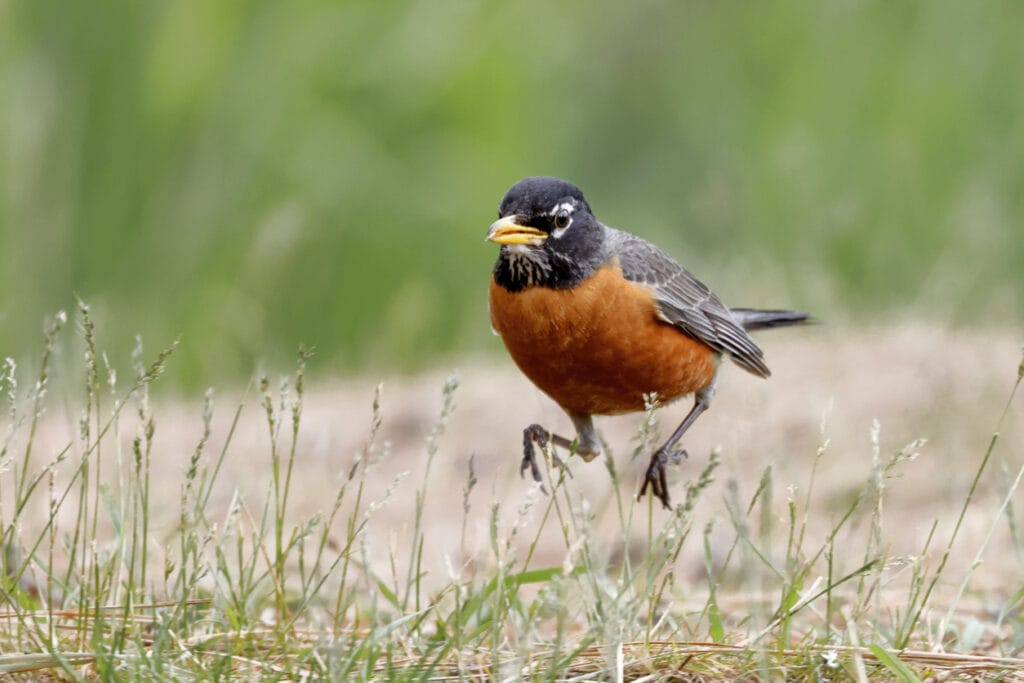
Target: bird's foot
535, 434
677, 456
655, 476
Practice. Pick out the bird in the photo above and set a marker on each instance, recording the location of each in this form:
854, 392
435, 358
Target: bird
600, 320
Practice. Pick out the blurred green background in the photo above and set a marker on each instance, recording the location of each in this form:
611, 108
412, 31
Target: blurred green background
251, 175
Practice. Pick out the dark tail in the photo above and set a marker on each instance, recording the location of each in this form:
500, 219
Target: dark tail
753, 319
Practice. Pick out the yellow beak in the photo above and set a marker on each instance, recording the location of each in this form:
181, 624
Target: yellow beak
507, 231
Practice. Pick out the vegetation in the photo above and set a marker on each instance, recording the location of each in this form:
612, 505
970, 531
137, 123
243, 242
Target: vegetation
245, 175
91, 589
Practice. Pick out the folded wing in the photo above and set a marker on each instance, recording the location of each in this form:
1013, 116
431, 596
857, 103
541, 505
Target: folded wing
685, 302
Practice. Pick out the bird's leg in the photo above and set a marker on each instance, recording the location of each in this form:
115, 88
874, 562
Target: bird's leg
655, 477
588, 446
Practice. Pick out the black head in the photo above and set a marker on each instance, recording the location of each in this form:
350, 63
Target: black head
548, 234
537, 196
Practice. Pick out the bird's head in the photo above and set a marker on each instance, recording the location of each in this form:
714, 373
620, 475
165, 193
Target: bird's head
548, 234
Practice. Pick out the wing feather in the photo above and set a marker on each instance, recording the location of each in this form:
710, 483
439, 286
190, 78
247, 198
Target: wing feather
686, 302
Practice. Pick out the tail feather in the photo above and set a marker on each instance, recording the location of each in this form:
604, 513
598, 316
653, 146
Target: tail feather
753, 319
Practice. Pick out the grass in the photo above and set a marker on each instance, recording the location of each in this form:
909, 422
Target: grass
96, 586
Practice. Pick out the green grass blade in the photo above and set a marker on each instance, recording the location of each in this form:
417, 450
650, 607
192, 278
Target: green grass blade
894, 664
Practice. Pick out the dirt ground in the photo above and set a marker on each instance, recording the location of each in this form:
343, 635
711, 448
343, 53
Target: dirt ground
828, 385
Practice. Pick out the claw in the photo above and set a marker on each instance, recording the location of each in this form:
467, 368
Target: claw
531, 435
530, 463
656, 477
535, 434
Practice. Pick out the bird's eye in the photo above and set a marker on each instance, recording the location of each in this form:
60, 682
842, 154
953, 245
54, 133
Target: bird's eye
562, 219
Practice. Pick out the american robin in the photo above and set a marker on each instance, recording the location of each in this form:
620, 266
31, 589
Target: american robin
598, 318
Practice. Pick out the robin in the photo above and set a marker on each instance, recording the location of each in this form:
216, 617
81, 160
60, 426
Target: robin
598, 319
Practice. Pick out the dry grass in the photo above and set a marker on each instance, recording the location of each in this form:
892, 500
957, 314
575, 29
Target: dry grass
947, 387
819, 539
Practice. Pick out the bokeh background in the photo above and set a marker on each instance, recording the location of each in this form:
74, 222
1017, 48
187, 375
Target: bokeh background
252, 175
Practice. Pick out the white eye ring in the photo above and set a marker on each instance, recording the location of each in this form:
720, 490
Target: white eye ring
561, 223
561, 218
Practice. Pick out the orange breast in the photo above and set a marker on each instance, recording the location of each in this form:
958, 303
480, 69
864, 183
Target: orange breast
598, 348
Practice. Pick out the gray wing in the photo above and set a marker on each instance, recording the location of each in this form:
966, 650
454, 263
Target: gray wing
684, 301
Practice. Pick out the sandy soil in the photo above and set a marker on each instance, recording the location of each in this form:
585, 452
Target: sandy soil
828, 385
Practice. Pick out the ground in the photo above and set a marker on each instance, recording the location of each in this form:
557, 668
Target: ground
814, 438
